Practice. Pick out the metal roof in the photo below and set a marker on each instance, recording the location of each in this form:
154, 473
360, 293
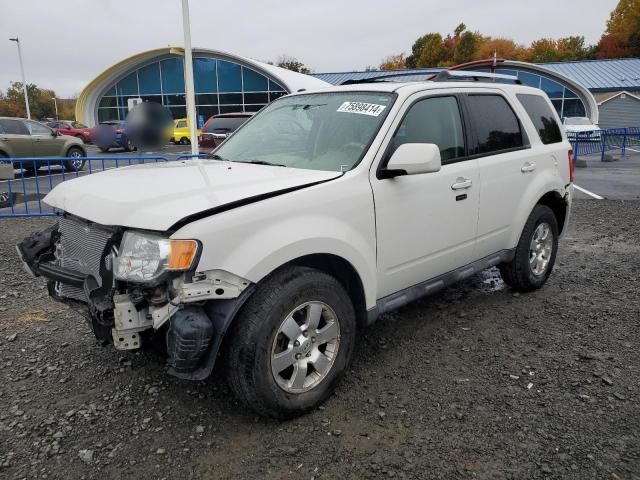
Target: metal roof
602, 75
595, 75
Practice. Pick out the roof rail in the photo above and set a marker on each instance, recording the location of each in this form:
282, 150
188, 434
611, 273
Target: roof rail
469, 76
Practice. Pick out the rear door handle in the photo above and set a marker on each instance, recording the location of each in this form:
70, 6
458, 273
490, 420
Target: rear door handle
528, 167
461, 183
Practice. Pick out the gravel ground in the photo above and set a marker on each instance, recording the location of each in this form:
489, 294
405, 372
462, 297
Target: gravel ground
475, 382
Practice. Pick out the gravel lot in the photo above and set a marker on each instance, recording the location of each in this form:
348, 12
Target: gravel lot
475, 382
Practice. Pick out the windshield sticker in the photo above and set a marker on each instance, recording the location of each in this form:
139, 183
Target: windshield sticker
362, 108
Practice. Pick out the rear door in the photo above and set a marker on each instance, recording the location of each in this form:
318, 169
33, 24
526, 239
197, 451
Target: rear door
426, 223
15, 138
508, 166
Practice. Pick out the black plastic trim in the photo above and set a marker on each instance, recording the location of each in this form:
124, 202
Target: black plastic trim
401, 298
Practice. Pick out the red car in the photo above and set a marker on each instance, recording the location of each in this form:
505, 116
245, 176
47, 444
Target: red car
219, 127
73, 128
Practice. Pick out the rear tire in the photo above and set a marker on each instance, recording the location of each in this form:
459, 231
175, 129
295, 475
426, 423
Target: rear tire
76, 159
184, 141
259, 347
535, 253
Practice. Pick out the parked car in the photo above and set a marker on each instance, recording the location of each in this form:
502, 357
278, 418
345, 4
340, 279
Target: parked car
219, 127
21, 138
181, 134
111, 134
73, 128
324, 211
582, 128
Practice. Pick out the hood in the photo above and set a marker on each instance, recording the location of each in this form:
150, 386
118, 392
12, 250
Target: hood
156, 196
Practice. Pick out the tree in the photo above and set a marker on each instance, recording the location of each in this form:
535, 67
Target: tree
40, 102
393, 62
466, 47
622, 31
292, 63
433, 52
543, 50
502, 47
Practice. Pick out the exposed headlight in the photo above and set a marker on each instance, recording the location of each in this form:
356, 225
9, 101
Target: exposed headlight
144, 257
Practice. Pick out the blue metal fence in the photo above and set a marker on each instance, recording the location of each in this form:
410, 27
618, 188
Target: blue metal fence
21, 196
603, 141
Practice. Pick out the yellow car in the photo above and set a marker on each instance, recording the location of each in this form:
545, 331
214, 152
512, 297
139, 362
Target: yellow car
180, 133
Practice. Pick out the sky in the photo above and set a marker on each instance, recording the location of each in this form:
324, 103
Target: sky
67, 44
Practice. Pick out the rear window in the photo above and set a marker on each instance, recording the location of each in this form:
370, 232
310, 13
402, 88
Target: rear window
542, 117
224, 124
13, 127
78, 125
495, 124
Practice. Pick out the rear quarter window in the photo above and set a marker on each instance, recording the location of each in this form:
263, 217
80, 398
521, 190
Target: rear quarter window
495, 124
542, 117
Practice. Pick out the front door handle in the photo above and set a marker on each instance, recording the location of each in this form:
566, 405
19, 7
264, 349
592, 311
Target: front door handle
461, 183
528, 167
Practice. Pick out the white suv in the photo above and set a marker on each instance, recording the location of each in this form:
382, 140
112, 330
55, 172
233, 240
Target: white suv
326, 210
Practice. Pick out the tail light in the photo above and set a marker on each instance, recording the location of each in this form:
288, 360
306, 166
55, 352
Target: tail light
572, 167
119, 130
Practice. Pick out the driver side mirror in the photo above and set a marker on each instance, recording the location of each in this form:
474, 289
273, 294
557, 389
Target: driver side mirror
54, 132
413, 159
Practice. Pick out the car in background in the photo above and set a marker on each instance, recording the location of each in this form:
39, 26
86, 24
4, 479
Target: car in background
581, 128
22, 138
219, 127
181, 133
111, 134
71, 127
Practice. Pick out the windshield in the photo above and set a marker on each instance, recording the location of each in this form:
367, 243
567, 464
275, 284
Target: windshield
224, 124
322, 131
577, 121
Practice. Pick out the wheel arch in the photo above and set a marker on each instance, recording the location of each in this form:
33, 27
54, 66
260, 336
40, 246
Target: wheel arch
558, 205
75, 145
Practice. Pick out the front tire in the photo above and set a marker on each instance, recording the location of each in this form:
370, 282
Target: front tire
535, 253
291, 343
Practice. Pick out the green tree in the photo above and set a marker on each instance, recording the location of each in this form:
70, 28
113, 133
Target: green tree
465, 49
433, 52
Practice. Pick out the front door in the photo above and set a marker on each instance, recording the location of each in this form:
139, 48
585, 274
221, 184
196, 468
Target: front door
45, 143
426, 223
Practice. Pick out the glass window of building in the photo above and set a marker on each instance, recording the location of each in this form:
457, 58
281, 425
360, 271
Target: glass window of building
221, 86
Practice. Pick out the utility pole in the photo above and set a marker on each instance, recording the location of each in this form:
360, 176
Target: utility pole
55, 104
192, 121
24, 82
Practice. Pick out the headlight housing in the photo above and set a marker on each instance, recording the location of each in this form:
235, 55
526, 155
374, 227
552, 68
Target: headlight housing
145, 257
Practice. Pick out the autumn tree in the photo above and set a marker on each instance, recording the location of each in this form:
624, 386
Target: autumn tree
623, 30
502, 47
393, 62
40, 102
292, 63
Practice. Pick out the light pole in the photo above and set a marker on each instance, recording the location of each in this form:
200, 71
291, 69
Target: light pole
55, 104
24, 82
188, 79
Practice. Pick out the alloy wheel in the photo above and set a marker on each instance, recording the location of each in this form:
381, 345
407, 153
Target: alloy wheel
540, 249
305, 347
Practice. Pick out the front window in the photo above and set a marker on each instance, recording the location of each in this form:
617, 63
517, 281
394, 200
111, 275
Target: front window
321, 131
582, 121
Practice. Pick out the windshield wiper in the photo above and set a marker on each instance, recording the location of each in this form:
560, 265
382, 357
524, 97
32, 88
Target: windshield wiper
262, 162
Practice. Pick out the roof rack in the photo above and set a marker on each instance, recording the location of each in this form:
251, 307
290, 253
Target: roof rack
469, 76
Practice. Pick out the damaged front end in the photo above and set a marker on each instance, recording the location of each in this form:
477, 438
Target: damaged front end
134, 286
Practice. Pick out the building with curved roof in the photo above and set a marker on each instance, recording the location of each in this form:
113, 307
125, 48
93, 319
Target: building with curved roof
224, 83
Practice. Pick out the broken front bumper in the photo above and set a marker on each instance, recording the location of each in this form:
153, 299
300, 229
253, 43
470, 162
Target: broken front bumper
77, 257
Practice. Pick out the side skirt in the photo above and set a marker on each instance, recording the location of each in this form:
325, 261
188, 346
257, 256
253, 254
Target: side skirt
428, 287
